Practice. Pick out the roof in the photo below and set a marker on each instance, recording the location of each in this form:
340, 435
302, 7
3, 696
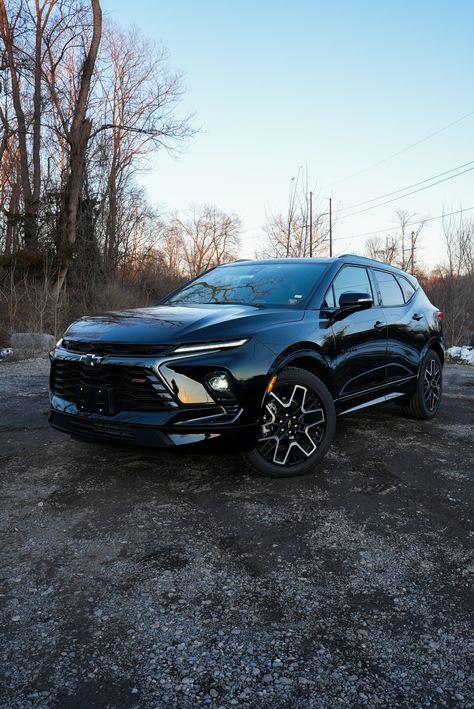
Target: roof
281, 260
345, 258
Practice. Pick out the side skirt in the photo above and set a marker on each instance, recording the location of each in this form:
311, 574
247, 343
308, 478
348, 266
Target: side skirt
373, 402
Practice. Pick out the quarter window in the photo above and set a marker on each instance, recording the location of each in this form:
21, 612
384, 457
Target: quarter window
351, 279
389, 289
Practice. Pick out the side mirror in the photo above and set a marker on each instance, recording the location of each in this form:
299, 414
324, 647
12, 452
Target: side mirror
355, 301
351, 303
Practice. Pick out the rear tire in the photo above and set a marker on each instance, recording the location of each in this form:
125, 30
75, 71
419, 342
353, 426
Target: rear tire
425, 402
297, 426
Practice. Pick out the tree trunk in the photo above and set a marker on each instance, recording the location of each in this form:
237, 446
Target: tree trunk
12, 220
78, 138
111, 224
71, 194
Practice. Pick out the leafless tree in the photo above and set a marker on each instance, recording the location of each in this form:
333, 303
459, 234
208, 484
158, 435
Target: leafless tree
398, 247
76, 127
81, 111
295, 234
203, 238
22, 28
386, 250
451, 285
135, 100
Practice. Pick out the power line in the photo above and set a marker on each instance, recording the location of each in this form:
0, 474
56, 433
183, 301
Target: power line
392, 228
408, 187
401, 196
394, 199
404, 150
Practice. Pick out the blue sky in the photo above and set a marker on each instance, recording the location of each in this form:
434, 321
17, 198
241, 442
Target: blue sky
334, 87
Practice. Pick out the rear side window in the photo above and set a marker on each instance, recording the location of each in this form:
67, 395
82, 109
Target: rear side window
389, 289
351, 279
406, 287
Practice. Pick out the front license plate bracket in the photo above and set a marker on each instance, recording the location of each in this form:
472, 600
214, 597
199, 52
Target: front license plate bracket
95, 400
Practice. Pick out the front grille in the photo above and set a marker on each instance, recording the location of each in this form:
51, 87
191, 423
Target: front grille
111, 348
100, 429
146, 393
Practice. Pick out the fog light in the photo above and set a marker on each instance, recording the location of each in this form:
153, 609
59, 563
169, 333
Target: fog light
219, 382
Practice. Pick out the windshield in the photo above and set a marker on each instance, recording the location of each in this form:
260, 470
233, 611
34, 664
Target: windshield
253, 283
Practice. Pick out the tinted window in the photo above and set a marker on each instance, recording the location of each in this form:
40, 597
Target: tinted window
390, 290
406, 287
352, 279
253, 283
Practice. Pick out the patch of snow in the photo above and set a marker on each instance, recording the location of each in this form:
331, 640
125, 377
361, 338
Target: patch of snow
464, 355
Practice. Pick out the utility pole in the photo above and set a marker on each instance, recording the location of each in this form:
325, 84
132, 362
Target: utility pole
403, 247
311, 224
412, 253
292, 196
330, 226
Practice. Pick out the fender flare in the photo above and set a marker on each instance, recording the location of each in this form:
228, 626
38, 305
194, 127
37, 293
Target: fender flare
286, 357
438, 341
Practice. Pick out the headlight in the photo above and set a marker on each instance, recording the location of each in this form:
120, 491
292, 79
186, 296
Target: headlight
59, 342
211, 346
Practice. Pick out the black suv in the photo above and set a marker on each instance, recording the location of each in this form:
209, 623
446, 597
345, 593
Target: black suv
260, 354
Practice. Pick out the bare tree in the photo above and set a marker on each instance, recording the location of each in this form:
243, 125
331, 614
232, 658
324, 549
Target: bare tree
386, 250
135, 100
408, 231
457, 277
398, 248
79, 116
295, 233
205, 237
23, 26
77, 132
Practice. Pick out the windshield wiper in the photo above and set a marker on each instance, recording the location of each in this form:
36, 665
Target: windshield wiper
237, 302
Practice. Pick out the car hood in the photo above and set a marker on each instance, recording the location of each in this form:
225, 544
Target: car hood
165, 324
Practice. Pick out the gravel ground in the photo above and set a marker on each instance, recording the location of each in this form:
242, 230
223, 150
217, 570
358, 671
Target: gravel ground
135, 578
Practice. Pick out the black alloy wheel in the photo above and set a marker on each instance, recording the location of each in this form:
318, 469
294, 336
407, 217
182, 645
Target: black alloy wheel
297, 425
425, 402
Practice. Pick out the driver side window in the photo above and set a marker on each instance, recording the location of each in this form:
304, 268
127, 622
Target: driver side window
350, 279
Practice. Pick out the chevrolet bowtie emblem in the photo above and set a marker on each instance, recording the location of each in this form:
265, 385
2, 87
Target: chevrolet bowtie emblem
91, 359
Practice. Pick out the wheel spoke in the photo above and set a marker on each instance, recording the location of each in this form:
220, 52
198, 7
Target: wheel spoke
282, 450
313, 417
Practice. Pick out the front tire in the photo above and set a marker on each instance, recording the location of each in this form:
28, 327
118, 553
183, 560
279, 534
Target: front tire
425, 402
297, 426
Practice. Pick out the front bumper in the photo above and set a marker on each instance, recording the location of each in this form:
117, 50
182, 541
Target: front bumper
93, 428
177, 422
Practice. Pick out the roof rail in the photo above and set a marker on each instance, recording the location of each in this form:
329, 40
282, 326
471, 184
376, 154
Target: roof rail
367, 260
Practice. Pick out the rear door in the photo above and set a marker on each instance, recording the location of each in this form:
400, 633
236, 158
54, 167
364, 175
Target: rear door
359, 338
407, 330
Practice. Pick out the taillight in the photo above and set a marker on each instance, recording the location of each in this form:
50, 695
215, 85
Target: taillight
440, 314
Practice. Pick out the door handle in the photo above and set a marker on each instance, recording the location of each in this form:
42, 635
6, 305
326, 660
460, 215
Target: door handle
417, 317
379, 325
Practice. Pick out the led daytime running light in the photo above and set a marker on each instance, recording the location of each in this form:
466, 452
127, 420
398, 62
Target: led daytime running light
211, 346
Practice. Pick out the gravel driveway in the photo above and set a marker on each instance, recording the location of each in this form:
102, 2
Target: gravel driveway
135, 578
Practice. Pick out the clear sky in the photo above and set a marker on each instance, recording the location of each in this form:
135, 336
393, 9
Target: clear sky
334, 87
